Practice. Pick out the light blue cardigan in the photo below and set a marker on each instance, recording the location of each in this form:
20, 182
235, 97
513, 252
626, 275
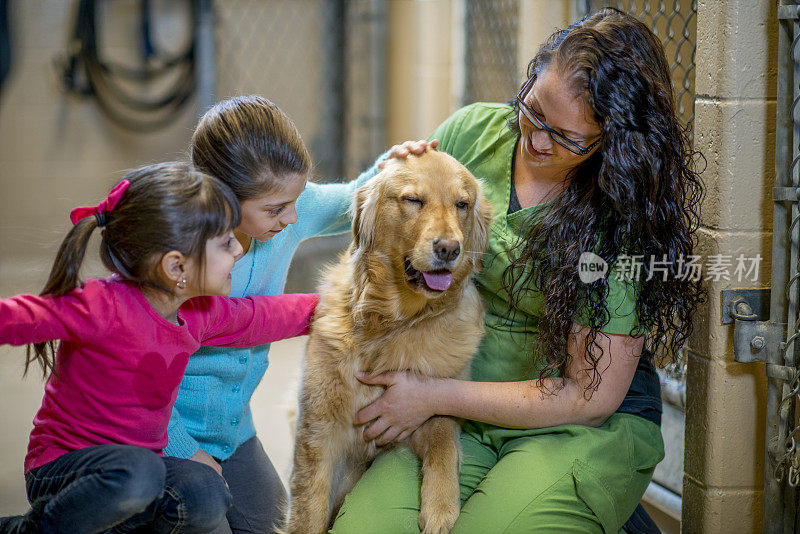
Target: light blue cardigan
212, 410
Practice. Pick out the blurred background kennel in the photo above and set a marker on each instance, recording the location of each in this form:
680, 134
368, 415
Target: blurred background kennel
89, 88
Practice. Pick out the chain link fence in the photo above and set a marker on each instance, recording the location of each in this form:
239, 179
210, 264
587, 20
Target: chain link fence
675, 23
290, 52
492, 30
786, 456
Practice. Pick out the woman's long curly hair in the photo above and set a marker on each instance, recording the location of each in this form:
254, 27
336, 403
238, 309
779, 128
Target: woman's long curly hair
638, 194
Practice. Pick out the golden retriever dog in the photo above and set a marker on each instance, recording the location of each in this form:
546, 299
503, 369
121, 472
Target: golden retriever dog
400, 298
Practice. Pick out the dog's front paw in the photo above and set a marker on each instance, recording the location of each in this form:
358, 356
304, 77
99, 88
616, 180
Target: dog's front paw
438, 519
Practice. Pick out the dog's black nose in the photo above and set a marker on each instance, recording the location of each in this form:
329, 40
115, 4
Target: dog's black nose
446, 249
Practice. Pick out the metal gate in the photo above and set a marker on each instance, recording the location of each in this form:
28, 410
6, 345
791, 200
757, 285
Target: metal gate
491, 34
770, 340
261, 48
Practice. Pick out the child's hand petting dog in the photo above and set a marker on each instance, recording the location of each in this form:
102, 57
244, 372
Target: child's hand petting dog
406, 149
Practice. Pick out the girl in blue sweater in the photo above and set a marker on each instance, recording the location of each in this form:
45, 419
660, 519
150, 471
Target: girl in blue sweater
248, 143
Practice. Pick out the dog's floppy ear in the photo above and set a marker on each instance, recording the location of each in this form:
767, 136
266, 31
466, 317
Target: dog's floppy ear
479, 236
364, 210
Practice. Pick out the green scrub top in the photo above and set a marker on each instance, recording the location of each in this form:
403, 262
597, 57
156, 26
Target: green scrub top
479, 137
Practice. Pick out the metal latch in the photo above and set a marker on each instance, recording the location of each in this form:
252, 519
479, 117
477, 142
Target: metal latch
749, 334
753, 334
748, 310
789, 12
756, 299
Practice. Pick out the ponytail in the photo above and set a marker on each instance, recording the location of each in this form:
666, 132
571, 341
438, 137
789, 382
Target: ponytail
153, 210
249, 144
63, 279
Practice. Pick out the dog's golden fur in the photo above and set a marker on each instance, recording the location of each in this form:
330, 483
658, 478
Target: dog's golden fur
424, 214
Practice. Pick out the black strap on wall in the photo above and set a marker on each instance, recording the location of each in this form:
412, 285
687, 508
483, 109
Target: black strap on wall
115, 86
5, 43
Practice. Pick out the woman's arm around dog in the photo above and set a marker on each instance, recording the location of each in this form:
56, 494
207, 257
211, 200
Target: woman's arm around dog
411, 399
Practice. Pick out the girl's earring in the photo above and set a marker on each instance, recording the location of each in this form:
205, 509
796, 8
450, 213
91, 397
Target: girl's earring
182, 283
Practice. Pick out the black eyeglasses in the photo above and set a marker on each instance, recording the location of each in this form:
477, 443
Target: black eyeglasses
530, 114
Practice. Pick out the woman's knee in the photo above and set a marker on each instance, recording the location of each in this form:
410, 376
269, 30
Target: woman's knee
554, 508
354, 519
385, 499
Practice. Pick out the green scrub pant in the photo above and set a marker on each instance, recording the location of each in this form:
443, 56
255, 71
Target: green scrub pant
569, 478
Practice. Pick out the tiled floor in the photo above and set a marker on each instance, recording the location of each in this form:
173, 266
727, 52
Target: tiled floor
20, 399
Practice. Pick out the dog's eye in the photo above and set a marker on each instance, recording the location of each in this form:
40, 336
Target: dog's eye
412, 200
462, 205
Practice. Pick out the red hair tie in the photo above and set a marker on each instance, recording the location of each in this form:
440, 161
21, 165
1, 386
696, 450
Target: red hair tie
106, 206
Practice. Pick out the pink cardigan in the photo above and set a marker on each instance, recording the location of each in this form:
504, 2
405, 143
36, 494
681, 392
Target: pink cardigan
120, 363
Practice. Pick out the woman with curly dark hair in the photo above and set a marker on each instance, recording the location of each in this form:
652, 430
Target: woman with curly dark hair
589, 166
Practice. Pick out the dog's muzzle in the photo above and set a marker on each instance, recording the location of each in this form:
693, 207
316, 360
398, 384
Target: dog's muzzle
434, 280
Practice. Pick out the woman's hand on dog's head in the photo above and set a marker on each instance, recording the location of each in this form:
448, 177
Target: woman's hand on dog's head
402, 408
404, 150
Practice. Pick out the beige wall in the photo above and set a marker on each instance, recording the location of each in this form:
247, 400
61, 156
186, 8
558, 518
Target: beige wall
538, 19
57, 151
425, 67
735, 130
419, 81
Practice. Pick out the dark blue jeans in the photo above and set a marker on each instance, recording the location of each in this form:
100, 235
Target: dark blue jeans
258, 493
122, 488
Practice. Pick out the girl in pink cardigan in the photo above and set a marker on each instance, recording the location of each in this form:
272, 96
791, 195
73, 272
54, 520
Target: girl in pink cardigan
94, 459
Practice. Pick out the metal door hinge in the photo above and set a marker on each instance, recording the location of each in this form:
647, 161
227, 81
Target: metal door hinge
753, 333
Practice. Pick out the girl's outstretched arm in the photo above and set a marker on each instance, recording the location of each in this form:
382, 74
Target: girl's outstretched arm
251, 321
323, 208
79, 315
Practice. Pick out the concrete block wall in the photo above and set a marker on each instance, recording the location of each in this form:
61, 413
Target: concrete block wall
735, 130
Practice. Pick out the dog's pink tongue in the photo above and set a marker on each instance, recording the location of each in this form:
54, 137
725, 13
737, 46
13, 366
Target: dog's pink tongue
439, 282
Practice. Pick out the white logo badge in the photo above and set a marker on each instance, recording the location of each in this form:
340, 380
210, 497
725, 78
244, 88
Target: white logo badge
591, 267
